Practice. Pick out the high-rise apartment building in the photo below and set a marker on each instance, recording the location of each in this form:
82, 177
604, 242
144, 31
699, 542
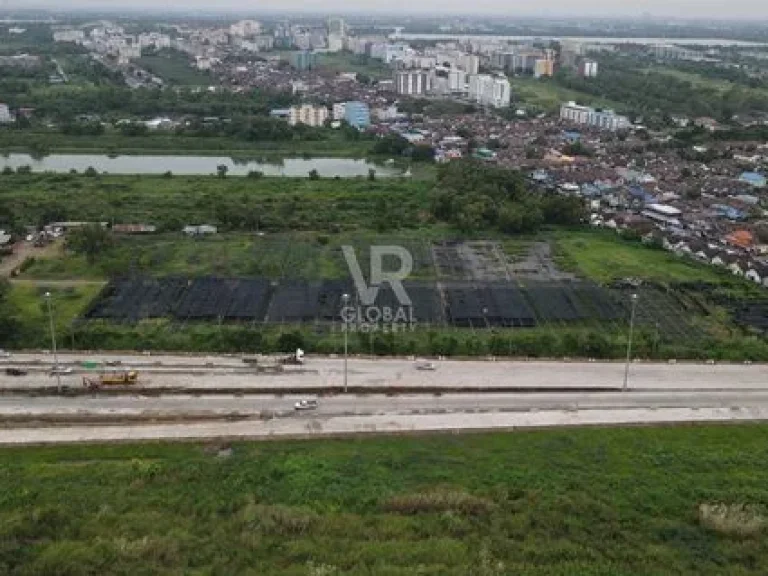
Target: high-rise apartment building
490, 90
413, 82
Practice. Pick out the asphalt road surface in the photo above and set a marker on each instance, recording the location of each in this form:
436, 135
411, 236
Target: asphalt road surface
550, 394
199, 373
187, 405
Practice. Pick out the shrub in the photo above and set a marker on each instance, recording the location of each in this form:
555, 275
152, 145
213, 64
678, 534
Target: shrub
733, 519
439, 501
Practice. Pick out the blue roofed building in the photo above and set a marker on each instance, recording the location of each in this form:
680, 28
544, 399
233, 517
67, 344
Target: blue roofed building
357, 114
753, 179
640, 194
729, 212
571, 135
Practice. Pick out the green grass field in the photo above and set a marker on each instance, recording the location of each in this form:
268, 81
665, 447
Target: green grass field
175, 68
547, 95
602, 257
347, 62
561, 502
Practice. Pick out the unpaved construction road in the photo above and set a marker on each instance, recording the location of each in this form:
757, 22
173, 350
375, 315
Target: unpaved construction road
181, 397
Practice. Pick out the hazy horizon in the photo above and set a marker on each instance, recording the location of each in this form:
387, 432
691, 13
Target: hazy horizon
683, 9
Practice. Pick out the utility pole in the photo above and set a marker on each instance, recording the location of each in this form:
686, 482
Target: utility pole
345, 301
53, 341
625, 387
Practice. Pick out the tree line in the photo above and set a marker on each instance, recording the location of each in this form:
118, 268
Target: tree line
474, 196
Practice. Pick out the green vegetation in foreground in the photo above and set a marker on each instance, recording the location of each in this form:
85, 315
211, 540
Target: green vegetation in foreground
558, 502
603, 257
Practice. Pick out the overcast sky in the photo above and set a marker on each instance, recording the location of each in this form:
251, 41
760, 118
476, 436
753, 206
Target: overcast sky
750, 9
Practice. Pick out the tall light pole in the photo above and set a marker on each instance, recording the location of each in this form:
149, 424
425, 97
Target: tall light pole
345, 301
53, 340
629, 342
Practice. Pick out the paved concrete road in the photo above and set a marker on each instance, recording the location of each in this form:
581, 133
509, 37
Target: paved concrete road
187, 405
227, 372
386, 424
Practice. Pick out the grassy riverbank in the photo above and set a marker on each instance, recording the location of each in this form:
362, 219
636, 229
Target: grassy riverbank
618, 501
24, 142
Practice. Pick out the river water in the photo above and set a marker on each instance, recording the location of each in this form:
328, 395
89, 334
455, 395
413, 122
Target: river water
585, 39
197, 165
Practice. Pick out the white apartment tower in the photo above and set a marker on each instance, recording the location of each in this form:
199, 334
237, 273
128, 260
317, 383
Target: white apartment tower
490, 90
307, 114
413, 82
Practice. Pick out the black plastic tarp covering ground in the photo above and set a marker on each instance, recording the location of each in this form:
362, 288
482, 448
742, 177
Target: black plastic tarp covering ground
298, 301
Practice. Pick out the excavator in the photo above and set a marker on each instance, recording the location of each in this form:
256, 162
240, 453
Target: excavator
125, 378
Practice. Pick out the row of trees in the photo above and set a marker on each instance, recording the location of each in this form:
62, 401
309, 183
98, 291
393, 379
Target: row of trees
651, 93
396, 145
66, 103
474, 196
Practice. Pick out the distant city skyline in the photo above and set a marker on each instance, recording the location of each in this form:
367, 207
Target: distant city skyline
690, 9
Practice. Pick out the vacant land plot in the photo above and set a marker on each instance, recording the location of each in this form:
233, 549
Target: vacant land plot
174, 68
622, 501
603, 257
549, 96
267, 204
341, 62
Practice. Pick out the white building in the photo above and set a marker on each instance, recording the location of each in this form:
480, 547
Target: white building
260, 43
490, 90
5, 114
245, 28
154, 40
205, 63
307, 114
457, 81
127, 53
76, 36
602, 119
588, 68
413, 82
337, 26
470, 63
339, 110
335, 43
394, 52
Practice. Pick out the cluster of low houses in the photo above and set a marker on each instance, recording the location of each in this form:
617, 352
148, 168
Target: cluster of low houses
738, 261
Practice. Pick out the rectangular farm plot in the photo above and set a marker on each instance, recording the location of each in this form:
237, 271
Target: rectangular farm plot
136, 299
225, 299
131, 300
482, 306
554, 303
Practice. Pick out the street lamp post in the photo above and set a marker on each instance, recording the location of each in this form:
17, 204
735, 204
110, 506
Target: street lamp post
629, 342
53, 340
345, 300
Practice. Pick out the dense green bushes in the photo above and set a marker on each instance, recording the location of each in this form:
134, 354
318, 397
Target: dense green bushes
557, 502
266, 204
577, 342
475, 196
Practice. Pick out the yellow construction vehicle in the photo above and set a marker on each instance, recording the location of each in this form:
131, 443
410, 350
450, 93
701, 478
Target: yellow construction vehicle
125, 378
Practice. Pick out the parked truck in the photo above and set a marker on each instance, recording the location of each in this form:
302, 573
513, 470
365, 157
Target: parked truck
123, 378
